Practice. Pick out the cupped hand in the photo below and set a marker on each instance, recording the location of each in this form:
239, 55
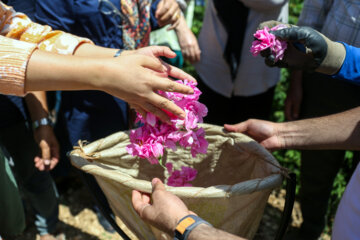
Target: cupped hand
136, 79
168, 12
264, 132
49, 148
164, 212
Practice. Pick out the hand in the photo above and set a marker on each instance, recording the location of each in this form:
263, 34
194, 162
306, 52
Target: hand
321, 54
162, 51
294, 96
189, 45
164, 212
49, 147
136, 78
168, 12
264, 132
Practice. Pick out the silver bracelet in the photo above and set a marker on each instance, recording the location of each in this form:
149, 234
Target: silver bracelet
42, 122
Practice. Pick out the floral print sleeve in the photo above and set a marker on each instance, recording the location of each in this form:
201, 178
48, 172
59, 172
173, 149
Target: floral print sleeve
14, 54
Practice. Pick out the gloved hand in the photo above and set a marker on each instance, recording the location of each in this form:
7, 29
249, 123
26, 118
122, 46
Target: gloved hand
320, 54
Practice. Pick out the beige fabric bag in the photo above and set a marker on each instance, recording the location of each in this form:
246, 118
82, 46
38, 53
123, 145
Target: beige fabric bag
230, 191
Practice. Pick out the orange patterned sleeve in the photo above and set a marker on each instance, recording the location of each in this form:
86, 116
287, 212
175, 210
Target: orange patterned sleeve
15, 54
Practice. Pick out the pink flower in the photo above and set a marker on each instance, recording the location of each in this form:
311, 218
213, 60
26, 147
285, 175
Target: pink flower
149, 140
180, 178
265, 40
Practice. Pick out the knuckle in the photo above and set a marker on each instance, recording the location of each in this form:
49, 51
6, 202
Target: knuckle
171, 87
163, 104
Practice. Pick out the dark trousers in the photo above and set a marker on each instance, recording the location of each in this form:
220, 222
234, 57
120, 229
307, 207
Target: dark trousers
322, 95
235, 109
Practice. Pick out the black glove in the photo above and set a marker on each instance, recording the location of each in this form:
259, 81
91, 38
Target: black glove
318, 54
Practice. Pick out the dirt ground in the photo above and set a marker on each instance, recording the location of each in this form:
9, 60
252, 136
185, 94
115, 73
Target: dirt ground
78, 221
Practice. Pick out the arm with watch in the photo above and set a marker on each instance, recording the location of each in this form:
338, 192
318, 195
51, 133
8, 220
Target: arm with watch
169, 214
44, 136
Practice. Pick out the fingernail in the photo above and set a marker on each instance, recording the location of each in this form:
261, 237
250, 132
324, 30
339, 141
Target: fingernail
154, 181
47, 162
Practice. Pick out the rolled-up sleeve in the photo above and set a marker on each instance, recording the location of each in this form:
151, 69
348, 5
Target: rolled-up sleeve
20, 37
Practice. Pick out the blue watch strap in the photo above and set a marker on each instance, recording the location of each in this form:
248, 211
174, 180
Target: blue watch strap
186, 225
118, 52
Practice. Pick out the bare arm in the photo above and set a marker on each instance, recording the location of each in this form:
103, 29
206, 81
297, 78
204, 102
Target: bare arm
132, 78
44, 135
206, 232
337, 131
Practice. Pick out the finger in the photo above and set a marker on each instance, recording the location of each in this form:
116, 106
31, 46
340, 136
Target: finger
137, 201
178, 73
157, 112
197, 54
152, 63
162, 51
166, 16
240, 127
160, 10
140, 110
167, 85
168, 106
39, 163
192, 55
157, 185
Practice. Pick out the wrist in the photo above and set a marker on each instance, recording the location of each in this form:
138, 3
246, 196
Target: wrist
42, 122
186, 225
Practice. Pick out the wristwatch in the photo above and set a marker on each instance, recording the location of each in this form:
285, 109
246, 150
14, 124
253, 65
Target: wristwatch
42, 122
186, 225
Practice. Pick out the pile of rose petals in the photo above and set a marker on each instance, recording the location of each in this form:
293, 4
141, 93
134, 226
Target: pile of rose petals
149, 140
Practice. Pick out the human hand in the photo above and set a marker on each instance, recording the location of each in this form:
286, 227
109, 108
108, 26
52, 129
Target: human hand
294, 96
189, 45
320, 54
164, 212
49, 148
162, 51
135, 79
168, 12
264, 132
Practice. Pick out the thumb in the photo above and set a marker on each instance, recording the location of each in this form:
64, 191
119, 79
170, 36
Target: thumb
157, 185
240, 127
45, 150
161, 51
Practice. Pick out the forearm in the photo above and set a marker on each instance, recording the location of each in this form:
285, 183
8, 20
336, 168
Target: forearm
90, 50
207, 232
48, 71
37, 105
338, 131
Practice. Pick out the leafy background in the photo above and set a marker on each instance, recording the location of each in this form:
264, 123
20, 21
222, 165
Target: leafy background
290, 158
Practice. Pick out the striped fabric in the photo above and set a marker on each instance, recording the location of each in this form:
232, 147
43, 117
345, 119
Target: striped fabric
337, 19
14, 54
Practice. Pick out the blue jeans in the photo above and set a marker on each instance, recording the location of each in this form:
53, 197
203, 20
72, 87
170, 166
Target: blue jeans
20, 148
